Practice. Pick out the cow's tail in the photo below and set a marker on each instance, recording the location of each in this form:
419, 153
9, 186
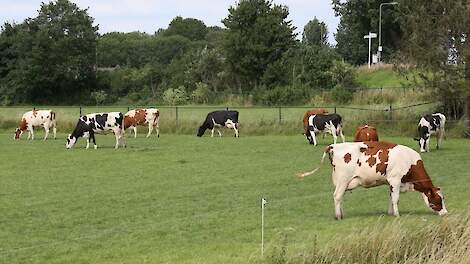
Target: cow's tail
308, 173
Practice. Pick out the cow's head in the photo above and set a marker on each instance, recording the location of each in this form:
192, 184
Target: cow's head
18, 133
434, 199
71, 140
202, 129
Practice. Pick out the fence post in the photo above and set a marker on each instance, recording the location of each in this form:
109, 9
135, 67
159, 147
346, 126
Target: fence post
80, 110
280, 115
335, 109
391, 112
176, 112
34, 108
226, 108
128, 108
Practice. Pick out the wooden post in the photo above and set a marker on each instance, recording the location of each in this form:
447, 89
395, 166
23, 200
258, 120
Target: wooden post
280, 115
335, 109
80, 110
176, 112
391, 112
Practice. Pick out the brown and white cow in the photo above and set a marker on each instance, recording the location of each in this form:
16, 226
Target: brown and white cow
370, 164
137, 117
37, 118
366, 133
317, 111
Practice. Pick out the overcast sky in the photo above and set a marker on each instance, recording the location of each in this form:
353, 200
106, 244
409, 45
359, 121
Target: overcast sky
150, 15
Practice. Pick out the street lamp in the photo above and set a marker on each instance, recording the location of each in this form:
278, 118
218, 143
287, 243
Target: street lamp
379, 52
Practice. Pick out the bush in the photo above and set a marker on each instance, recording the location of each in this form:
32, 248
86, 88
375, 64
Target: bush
281, 95
99, 96
202, 93
342, 95
175, 96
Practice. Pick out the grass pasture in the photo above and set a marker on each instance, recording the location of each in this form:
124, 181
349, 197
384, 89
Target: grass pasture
183, 199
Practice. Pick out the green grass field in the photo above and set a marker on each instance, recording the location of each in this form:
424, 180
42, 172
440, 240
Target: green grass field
183, 199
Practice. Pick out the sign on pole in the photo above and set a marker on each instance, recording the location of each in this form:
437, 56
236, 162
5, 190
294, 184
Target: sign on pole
370, 37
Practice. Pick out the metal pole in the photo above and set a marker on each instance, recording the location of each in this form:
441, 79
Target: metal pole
379, 52
370, 46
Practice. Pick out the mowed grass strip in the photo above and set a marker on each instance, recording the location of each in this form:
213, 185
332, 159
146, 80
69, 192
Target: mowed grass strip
188, 199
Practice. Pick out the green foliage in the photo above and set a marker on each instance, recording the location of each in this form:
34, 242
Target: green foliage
175, 96
280, 95
341, 94
99, 96
358, 17
201, 94
258, 34
315, 33
190, 28
51, 57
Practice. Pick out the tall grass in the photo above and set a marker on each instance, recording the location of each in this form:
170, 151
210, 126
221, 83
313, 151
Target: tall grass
445, 242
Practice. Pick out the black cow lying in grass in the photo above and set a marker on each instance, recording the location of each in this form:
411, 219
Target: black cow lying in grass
218, 119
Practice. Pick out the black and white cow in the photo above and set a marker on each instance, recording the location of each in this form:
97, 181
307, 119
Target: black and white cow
217, 119
428, 125
330, 123
100, 123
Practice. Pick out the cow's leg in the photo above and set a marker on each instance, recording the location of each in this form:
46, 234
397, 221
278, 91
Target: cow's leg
135, 131
236, 131
32, 132
338, 198
54, 130
29, 134
46, 128
340, 131
440, 137
333, 133
394, 197
218, 131
150, 129
312, 134
92, 137
157, 128
427, 143
212, 132
353, 184
116, 134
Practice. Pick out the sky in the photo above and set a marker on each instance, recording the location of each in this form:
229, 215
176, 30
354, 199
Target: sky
150, 15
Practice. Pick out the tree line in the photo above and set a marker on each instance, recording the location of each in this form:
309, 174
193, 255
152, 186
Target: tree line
58, 57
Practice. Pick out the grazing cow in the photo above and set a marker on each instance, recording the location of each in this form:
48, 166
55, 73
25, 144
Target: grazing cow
428, 125
99, 123
217, 119
35, 118
371, 164
136, 117
330, 123
317, 111
366, 133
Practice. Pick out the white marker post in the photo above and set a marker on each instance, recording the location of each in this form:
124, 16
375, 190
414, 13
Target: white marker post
263, 204
370, 37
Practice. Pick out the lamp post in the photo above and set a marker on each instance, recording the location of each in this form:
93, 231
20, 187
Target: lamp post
379, 52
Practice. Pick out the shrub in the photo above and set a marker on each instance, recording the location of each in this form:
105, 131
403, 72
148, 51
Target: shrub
342, 95
99, 96
202, 93
175, 96
281, 95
